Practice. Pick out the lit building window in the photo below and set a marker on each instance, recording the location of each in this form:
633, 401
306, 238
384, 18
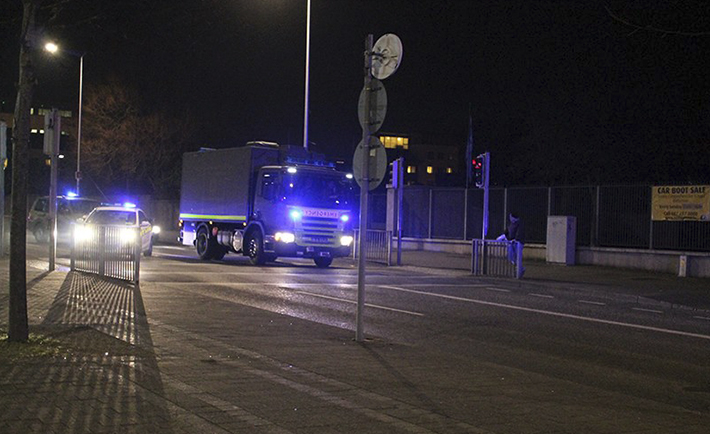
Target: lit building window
449, 170
411, 169
429, 170
391, 142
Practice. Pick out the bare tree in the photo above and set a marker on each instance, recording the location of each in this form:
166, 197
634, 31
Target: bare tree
125, 145
18, 324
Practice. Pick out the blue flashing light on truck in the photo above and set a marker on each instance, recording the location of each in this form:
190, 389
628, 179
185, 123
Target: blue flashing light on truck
265, 201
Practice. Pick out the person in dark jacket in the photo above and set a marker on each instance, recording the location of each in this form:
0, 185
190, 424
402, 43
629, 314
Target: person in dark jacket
515, 232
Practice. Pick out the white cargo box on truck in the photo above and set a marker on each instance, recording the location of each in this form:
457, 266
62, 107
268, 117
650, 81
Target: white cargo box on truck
217, 184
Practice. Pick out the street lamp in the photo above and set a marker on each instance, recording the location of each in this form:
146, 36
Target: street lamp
54, 48
308, 55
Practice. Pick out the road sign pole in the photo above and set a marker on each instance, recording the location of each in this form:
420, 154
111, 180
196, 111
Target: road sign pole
3, 157
364, 190
52, 131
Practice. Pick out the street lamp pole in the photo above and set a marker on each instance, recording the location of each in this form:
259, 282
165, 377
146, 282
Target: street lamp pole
78, 133
308, 55
53, 48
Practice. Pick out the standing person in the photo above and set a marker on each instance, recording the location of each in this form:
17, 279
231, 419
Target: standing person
515, 232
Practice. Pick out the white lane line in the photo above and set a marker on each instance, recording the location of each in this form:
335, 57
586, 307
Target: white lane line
640, 309
535, 294
497, 289
547, 312
596, 303
354, 302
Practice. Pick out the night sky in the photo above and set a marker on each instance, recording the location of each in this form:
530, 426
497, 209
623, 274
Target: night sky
560, 91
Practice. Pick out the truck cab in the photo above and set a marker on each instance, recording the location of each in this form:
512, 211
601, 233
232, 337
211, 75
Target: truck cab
305, 211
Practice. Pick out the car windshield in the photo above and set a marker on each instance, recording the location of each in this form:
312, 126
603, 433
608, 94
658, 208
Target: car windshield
318, 189
82, 207
112, 217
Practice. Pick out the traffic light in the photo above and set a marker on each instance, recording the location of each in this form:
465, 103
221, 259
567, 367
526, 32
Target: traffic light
480, 170
397, 172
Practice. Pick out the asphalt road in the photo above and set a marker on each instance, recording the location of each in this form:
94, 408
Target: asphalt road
572, 349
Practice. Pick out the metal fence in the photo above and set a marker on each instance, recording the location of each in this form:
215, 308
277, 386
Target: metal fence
607, 216
110, 251
497, 258
378, 246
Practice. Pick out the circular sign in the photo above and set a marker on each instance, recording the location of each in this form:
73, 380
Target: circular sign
377, 163
378, 105
386, 56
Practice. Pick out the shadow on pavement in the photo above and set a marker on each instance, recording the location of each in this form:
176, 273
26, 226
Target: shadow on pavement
107, 377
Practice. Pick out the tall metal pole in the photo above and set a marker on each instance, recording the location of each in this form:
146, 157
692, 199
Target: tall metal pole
54, 130
3, 157
78, 132
486, 187
308, 60
364, 189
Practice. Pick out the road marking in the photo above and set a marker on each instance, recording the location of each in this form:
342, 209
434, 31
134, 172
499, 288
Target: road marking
354, 302
497, 289
551, 313
596, 303
535, 294
640, 309
172, 248
702, 317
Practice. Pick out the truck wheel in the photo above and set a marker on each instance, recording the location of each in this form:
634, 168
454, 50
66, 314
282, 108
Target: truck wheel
323, 262
255, 248
204, 245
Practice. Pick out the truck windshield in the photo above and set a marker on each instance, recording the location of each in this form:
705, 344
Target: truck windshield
318, 190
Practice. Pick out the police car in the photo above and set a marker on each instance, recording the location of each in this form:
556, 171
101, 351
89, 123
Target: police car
125, 216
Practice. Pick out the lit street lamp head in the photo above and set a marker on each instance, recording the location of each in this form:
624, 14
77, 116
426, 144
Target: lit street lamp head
51, 47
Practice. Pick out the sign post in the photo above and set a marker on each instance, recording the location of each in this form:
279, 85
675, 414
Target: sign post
52, 134
3, 163
370, 159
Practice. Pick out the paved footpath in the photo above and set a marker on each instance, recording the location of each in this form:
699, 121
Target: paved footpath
130, 361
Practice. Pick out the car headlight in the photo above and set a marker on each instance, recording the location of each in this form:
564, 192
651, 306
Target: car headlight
82, 234
156, 230
128, 236
285, 237
346, 240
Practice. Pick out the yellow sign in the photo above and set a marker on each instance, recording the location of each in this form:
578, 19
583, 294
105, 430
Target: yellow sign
681, 202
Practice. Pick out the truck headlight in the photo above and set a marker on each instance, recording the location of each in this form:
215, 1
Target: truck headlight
346, 240
285, 237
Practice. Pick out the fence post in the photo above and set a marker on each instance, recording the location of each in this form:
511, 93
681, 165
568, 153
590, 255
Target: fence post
474, 256
518, 259
431, 209
465, 213
505, 208
137, 251
72, 261
388, 234
595, 228
102, 251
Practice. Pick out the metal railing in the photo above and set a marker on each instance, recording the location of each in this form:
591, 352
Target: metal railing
497, 258
378, 246
607, 216
110, 251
